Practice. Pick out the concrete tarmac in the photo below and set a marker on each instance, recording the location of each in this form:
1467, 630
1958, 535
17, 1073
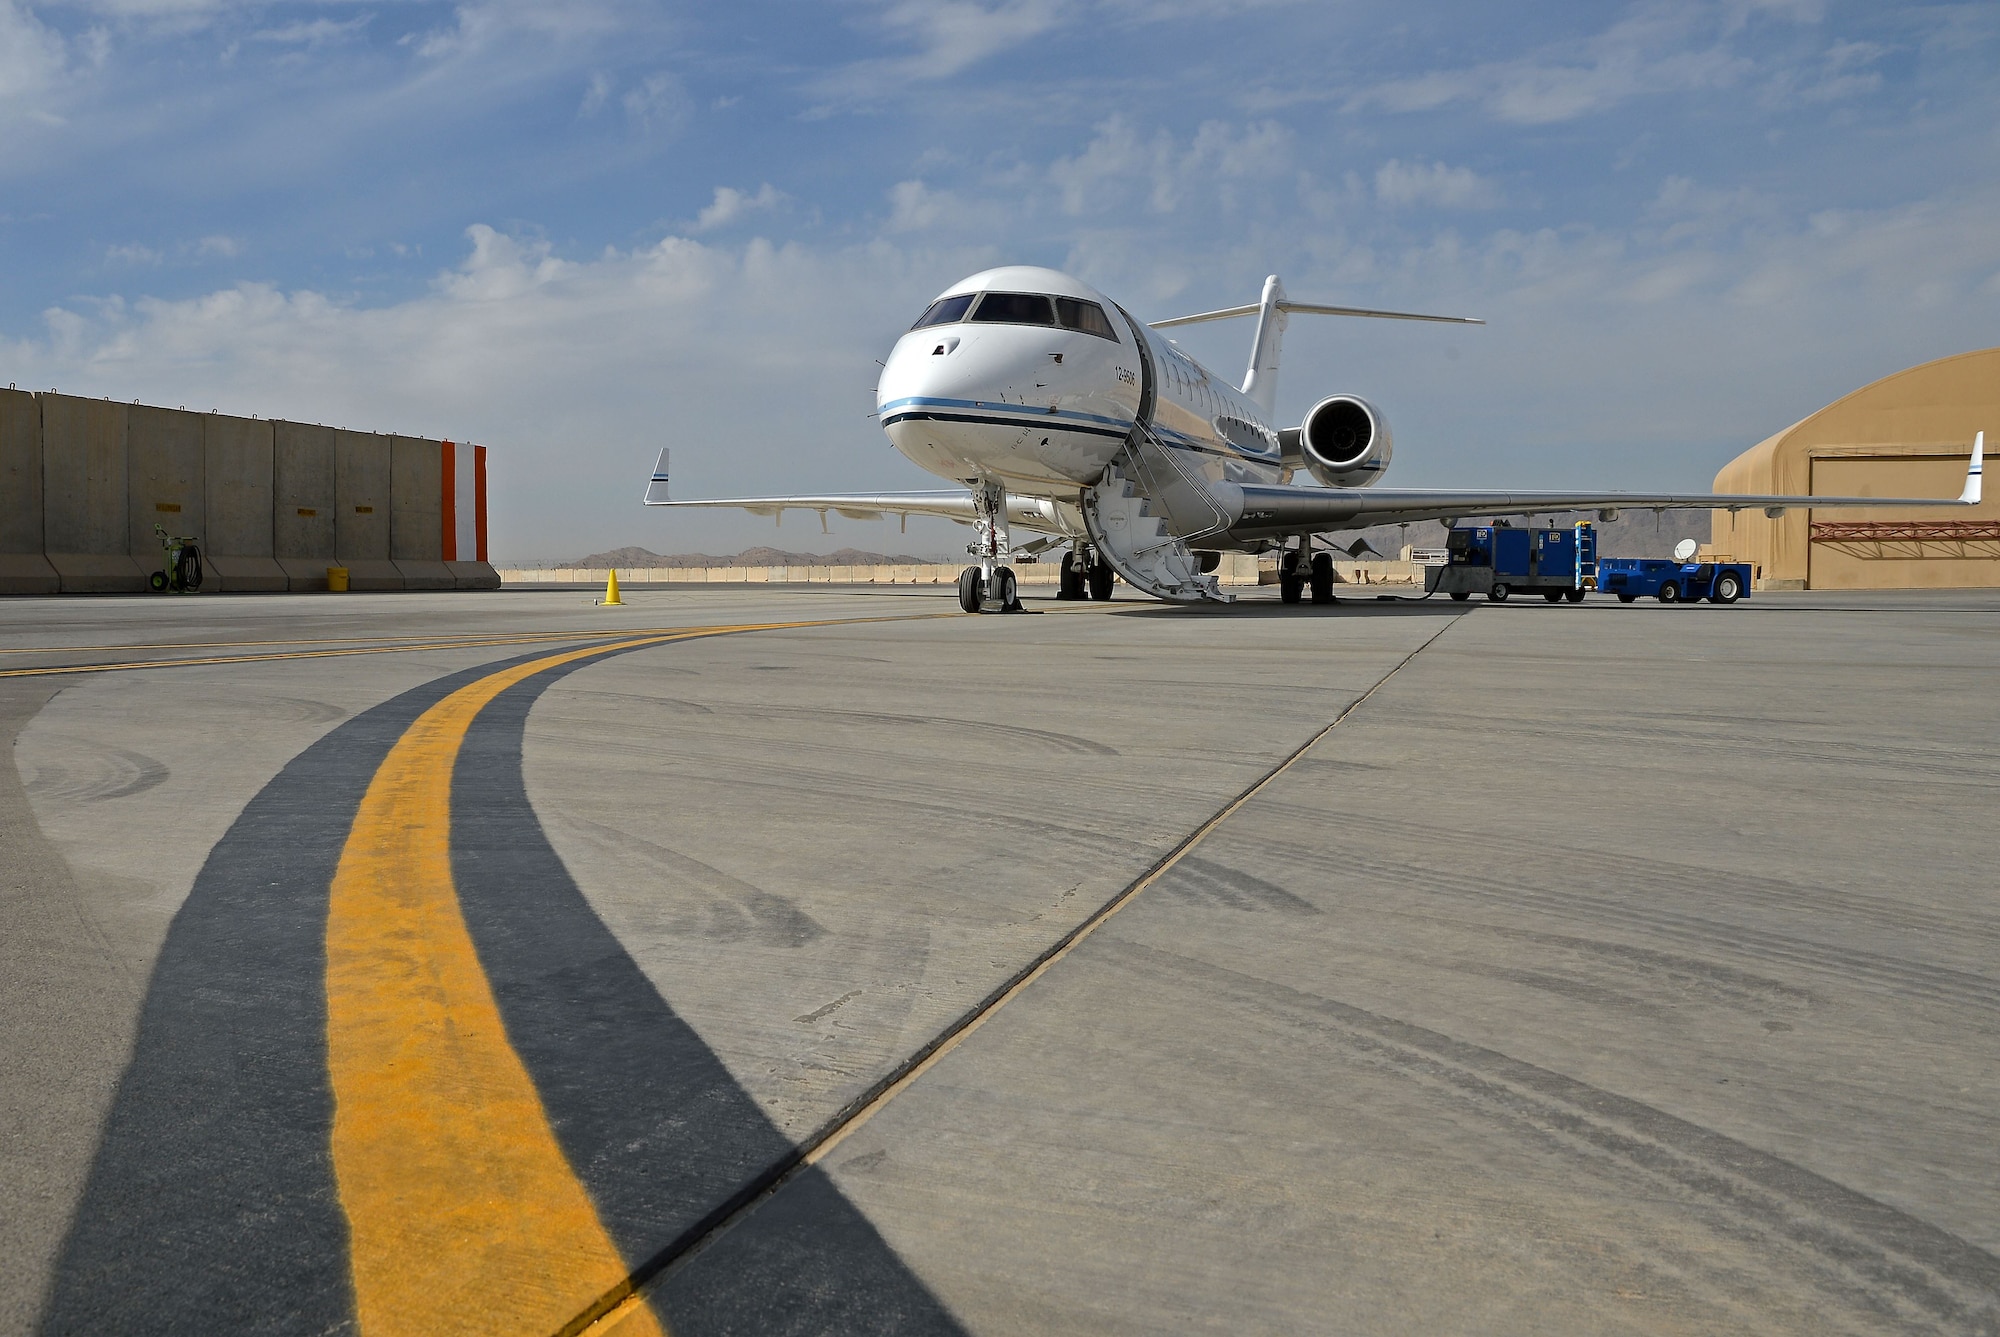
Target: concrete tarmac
1602, 969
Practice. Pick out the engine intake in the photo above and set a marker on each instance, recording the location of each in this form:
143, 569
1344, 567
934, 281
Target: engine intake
1345, 442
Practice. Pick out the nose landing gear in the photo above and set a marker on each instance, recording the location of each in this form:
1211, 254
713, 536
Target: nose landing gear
972, 591
989, 587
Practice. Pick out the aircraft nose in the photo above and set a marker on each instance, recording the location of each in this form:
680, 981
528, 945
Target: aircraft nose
924, 365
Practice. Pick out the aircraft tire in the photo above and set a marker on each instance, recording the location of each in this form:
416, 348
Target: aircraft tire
970, 589
1498, 594
1070, 584
1097, 580
1004, 590
1670, 593
1322, 579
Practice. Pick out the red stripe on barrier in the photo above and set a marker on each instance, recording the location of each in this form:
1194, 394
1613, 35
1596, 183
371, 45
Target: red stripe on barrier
449, 509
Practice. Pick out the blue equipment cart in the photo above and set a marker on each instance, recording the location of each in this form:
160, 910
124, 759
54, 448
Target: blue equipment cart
1499, 560
1631, 578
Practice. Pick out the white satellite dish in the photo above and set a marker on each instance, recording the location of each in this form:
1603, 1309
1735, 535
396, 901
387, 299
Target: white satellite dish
1685, 550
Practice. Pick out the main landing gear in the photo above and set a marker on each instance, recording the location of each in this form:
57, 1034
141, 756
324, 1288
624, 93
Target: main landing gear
1296, 574
1083, 578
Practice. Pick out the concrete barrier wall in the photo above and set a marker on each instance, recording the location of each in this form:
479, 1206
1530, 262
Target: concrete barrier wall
362, 476
239, 459
164, 481
303, 505
23, 568
86, 512
416, 516
20, 472
272, 504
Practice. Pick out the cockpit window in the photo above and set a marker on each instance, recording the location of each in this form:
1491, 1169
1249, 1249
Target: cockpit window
945, 311
1013, 308
1075, 314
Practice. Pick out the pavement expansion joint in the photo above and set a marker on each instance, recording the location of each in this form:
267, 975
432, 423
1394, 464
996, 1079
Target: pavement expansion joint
809, 1152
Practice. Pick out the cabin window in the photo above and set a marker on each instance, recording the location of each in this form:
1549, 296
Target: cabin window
1075, 314
1013, 308
945, 311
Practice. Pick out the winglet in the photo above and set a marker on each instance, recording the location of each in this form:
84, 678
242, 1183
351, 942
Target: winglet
1970, 496
656, 487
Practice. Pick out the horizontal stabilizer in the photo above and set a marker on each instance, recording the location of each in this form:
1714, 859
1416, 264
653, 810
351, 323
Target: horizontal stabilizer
1312, 308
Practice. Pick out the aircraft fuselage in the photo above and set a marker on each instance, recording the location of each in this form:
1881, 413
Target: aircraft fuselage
1030, 378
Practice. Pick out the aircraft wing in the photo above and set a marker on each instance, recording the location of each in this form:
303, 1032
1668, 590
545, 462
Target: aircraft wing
949, 504
1033, 513
1292, 509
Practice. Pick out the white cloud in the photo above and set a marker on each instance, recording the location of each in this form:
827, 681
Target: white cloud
915, 207
218, 247
1403, 184
1845, 71
131, 253
1652, 52
957, 33
659, 102
948, 36
33, 63
731, 204
1118, 168
576, 372
313, 33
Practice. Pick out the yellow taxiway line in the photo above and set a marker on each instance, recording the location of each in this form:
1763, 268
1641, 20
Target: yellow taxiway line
464, 1215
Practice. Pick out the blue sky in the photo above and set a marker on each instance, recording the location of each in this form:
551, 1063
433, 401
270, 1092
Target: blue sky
579, 232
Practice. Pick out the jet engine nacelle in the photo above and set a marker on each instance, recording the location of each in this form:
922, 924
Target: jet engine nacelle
1344, 442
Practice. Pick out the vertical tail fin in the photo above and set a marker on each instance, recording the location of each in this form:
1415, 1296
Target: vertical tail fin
656, 487
1260, 383
1974, 470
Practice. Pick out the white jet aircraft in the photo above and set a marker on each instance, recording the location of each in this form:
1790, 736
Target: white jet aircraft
1059, 413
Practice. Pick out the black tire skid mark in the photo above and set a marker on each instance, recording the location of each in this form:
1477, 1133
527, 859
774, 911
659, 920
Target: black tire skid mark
1906, 764
1878, 909
663, 1137
1871, 1254
1937, 983
211, 1205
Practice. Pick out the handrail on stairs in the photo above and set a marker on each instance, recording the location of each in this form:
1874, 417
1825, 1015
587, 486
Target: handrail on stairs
1195, 483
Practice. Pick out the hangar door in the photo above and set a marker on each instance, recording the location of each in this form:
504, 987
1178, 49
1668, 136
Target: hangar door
1918, 549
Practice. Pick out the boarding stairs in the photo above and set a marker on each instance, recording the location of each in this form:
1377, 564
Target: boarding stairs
1142, 515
